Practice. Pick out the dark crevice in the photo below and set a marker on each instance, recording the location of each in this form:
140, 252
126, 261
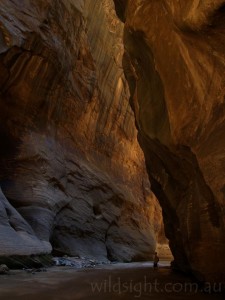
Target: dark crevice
218, 18
120, 7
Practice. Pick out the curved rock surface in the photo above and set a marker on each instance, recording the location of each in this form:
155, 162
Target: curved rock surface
70, 163
174, 62
16, 234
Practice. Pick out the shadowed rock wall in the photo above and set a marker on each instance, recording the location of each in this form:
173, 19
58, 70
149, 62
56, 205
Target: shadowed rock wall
70, 163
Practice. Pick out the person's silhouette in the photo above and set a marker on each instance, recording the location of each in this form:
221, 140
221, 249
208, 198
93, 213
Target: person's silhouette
155, 260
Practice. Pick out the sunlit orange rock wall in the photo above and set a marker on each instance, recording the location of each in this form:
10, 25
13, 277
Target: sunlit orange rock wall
174, 62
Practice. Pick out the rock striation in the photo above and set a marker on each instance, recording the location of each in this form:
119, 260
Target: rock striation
16, 234
174, 63
70, 165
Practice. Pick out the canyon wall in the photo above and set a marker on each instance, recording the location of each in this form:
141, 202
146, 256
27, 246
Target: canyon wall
174, 62
71, 169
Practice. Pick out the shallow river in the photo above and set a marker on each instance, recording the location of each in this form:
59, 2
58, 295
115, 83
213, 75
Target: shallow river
117, 281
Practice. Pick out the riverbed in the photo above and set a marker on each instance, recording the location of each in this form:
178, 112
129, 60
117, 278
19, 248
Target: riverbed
114, 281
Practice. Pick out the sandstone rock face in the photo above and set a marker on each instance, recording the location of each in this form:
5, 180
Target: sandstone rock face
16, 234
174, 62
70, 163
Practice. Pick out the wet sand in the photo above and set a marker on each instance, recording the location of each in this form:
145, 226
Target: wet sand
117, 281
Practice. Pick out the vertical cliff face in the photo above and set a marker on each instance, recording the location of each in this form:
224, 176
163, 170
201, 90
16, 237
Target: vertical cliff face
70, 165
174, 63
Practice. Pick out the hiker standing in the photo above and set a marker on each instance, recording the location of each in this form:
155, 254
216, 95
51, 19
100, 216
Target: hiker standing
155, 260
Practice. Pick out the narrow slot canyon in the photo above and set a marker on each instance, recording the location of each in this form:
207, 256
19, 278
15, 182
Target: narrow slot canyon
112, 118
